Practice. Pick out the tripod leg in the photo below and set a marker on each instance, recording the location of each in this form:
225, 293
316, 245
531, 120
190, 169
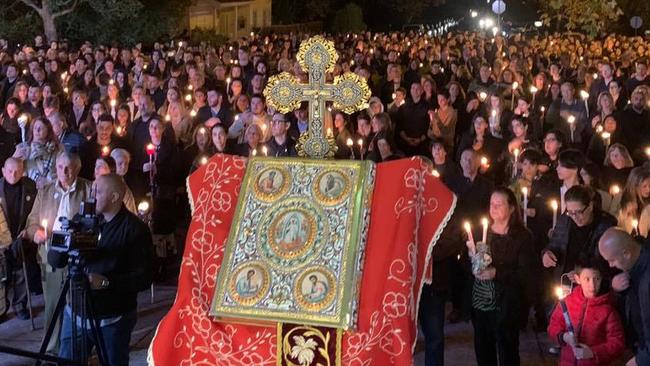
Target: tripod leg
95, 327
29, 294
58, 311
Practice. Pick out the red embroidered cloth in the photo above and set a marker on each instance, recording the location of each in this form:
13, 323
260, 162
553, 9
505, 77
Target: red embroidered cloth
409, 209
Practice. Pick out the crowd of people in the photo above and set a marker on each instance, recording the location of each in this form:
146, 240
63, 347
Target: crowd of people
547, 137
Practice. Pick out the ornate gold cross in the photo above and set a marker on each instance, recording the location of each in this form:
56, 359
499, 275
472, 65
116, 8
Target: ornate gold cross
349, 92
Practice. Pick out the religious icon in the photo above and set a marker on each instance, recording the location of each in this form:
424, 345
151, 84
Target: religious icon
292, 231
270, 181
331, 185
249, 282
316, 287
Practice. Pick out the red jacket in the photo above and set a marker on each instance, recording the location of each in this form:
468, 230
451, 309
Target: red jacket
596, 324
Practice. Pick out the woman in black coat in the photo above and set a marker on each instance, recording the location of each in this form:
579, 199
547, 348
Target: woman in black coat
500, 288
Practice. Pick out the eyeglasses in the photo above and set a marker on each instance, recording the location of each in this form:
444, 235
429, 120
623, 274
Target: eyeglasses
577, 213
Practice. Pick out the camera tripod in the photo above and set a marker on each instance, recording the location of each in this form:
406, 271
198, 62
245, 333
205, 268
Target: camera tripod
82, 316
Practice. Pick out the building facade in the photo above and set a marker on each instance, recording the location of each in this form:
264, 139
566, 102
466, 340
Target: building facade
231, 18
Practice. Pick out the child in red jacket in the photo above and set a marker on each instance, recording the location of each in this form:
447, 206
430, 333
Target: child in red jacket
599, 337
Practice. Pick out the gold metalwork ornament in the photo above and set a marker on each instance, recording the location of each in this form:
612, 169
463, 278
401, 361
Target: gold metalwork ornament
349, 92
317, 53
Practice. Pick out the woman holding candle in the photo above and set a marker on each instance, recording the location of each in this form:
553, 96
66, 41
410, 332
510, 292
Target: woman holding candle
39, 152
598, 337
499, 292
617, 166
577, 233
342, 133
480, 140
635, 202
601, 141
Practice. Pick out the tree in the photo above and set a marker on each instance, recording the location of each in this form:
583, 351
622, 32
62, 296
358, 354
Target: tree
590, 16
349, 19
49, 11
412, 9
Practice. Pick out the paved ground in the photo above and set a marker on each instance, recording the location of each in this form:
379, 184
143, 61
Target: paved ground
459, 351
19, 334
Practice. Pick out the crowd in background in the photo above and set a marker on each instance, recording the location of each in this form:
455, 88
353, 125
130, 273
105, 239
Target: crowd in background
546, 136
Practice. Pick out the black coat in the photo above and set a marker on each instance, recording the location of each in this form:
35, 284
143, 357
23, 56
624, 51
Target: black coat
513, 258
561, 240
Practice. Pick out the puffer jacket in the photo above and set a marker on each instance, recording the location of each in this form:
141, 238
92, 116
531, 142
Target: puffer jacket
597, 325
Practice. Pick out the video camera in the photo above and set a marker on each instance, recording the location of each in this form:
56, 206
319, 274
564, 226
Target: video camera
79, 234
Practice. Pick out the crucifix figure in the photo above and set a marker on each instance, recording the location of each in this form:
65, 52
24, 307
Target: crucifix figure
349, 93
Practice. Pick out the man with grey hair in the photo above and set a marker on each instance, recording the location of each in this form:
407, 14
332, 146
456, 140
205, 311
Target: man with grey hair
71, 140
59, 199
622, 251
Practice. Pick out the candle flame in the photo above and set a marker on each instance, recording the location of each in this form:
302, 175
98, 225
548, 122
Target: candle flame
614, 190
435, 173
584, 94
571, 119
349, 142
554, 205
559, 292
533, 89
524, 190
467, 226
143, 207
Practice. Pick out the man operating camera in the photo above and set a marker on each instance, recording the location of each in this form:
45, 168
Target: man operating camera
117, 270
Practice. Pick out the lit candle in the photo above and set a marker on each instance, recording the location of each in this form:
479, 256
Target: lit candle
254, 153
119, 130
360, 143
151, 149
188, 97
554, 206
22, 122
435, 173
606, 136
106, 150
44, 226
571, 120
265, 151
143, 207
192, 113
485, 222
533, 91
227, 84
485, 163
559, 292
515, 152
470, 236
647, 151
482, 96
204, 160
168, 117
524, 192
635, 227
614, 190
329, 132
585, 96
350, 145
514, 87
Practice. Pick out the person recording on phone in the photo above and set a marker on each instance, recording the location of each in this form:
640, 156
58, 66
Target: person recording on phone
119, 267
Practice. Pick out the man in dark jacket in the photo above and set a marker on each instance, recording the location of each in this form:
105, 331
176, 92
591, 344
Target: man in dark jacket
121, 268
621, 251
413, 123
17, 195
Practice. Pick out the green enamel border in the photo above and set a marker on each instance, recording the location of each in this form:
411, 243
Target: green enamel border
348, 289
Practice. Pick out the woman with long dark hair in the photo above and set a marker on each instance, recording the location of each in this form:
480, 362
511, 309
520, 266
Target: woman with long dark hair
500, 289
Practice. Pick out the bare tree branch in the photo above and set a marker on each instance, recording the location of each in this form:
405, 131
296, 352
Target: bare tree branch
66, 11
31, 4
